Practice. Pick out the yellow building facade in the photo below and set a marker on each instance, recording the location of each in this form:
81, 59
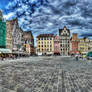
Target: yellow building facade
90, 45
84, 46
9, 29
45, 44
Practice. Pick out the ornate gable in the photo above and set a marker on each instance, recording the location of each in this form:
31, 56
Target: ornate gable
64, 31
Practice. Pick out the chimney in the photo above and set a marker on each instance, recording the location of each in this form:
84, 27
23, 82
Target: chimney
74, 36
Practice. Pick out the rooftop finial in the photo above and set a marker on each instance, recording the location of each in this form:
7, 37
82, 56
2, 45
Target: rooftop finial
64, 27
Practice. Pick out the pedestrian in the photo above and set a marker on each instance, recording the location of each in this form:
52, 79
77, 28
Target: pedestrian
2, 58
76, 57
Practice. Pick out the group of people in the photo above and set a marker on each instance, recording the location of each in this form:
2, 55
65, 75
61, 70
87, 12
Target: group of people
3, 57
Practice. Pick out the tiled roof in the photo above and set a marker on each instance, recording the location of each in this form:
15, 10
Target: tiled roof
45, 35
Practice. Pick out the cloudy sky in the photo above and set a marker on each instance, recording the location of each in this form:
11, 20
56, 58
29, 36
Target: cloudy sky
48, 16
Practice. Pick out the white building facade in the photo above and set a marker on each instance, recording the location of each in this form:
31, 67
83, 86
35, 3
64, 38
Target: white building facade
17, 38
64, 39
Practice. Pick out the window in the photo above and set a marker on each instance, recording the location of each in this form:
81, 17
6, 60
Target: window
50, 38
44, 38
47, 49
62, 45
38, 49
41, 38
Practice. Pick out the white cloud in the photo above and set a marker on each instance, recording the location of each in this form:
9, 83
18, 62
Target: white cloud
9, 15
49, 24
32, 1
48, 18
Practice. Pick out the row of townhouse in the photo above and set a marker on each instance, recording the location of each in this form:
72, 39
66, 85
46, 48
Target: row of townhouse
17, 40
85, 45
63, 44
50, 44
13, 39
80, 45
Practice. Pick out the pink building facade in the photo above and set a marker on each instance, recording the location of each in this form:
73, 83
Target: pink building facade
56, 45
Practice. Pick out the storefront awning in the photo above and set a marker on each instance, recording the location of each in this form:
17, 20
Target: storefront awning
74, 52
5, 51
89, 54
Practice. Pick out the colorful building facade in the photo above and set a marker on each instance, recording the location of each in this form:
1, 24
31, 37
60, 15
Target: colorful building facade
9, 30
85, 45
28, 42
14, 36
64, 39
56, 45
90, 45
45, 44
74, 44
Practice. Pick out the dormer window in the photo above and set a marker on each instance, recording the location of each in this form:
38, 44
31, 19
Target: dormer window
64, 31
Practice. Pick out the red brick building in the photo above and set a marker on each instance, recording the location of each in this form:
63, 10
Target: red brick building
74, 44
56, 45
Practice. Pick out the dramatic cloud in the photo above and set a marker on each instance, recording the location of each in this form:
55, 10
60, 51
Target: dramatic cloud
9, 15
47, 16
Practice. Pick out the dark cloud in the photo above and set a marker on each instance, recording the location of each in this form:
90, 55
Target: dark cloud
49, 15
87, 35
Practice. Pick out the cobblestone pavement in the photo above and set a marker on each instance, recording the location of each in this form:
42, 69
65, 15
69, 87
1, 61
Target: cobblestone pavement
45, 74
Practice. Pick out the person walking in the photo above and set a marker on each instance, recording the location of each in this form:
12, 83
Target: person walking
76, 57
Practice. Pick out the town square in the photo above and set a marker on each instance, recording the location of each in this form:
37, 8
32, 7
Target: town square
45, 45
46, 74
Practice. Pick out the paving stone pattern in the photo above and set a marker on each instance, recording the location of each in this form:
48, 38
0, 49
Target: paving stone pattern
45, 74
